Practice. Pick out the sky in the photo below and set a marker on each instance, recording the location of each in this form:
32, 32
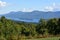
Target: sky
7, 6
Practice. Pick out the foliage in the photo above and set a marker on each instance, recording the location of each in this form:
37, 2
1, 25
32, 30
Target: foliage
11, 30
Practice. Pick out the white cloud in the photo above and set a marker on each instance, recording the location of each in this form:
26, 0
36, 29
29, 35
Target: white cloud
53, 7
26, 10
2, 4
49, 8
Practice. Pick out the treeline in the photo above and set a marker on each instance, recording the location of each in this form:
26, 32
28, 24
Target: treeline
11, 30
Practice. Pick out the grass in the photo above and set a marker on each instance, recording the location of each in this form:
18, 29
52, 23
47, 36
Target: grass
50, 38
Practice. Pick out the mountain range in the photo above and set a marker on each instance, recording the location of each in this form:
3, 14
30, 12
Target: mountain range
33, 16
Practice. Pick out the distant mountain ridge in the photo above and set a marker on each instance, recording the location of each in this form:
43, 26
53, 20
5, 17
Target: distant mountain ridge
33, 16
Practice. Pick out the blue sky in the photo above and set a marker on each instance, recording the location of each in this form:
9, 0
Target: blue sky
28, 5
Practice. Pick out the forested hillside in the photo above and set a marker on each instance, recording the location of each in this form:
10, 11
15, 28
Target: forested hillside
11, 30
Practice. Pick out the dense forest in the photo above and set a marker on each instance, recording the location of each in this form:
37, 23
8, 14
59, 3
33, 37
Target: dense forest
11, 30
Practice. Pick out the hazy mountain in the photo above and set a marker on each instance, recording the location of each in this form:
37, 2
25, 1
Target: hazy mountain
33, 16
